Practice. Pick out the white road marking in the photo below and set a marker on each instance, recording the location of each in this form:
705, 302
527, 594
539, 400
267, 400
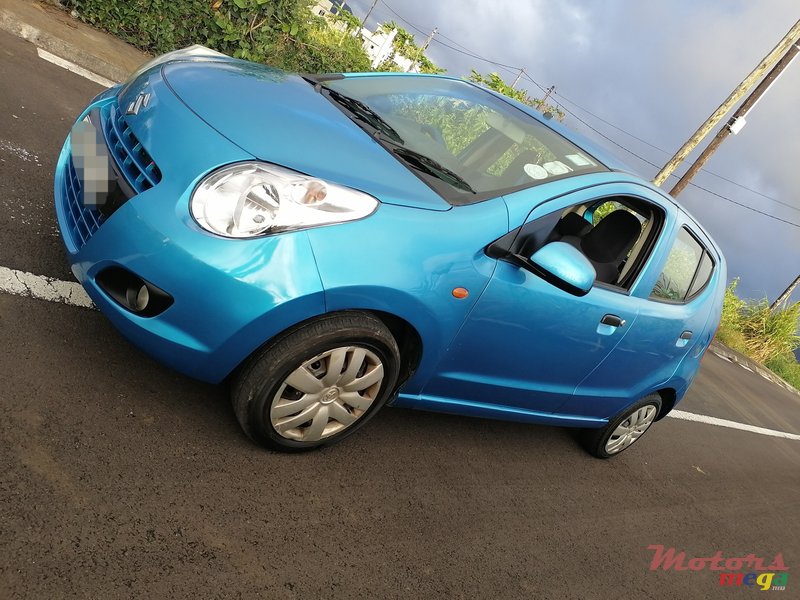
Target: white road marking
685, 416
722, 356
77, 69
22, 283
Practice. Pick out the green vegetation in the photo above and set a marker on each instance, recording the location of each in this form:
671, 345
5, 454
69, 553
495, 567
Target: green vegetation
767, 336
494, 82
404, 45
787, 368
459, 127
281, 33
605, 209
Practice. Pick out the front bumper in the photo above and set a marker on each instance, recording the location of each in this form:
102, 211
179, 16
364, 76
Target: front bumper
230, 296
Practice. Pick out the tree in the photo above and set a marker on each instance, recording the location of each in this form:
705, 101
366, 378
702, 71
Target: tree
494, 82
348, 19
405, 46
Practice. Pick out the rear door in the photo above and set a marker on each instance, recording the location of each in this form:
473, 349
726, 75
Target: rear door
674, 300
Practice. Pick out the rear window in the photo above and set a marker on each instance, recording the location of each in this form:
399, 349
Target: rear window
688, 269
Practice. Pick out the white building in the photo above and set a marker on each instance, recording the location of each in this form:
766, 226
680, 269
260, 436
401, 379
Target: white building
329, 9
378, 46
324, 8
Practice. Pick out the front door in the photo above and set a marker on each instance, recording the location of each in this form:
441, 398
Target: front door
527, 345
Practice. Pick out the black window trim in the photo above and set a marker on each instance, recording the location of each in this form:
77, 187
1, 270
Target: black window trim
511, 240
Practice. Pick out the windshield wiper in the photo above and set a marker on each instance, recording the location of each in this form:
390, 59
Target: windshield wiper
431, 167
365, 114
360, 111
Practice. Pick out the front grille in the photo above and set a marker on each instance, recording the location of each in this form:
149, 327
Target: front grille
82, 221
131, 163
132, 160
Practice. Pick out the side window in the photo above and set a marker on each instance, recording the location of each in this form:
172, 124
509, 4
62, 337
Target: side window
688, 269
617, 242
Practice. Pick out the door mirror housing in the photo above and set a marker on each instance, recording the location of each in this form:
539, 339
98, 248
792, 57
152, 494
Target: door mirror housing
561, 265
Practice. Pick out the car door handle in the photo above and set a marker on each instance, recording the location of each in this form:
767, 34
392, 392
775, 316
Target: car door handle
683, 339
613, 321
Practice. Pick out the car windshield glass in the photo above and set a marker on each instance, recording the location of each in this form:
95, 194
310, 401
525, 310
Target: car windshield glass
462, 141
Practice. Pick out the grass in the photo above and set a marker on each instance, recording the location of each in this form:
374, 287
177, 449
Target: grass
787, 368
767, 336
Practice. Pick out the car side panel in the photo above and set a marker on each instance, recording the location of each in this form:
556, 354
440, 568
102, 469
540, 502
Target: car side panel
407, 262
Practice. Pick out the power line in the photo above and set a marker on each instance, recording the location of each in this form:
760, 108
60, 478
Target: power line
456, 42
462, 50
600, 133
749, 189
643, 159
514, 69
409, 23
745, 205
609, 123
645, 142
479, 57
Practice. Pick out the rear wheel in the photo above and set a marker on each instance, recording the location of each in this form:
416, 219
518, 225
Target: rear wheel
317, 384
623, 430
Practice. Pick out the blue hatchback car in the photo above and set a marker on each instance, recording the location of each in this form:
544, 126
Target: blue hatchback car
331, 243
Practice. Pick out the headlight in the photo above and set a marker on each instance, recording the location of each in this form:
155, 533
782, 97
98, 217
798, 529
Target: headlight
253, 198
195, 51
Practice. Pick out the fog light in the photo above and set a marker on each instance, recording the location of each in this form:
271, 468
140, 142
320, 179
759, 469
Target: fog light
133, 293
138, 299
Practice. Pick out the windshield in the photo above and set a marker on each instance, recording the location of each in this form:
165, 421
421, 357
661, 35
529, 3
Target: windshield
462, 141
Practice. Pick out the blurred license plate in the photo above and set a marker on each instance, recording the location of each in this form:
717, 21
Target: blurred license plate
91, 161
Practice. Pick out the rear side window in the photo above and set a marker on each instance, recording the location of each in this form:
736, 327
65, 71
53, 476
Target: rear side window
688, 269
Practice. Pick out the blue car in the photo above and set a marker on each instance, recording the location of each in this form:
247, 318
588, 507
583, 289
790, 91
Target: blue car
328, 244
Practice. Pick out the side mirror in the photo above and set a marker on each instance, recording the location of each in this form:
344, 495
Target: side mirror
561, 265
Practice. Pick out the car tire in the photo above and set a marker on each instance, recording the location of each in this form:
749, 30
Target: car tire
623, 430
345, 368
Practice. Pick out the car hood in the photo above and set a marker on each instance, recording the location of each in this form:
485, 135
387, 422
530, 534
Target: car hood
280, 118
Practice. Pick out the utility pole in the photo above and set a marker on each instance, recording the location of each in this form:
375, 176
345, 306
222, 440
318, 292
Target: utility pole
369, 12
785, 295
737, 121
516, 81
729, 103
424, 47
363, 23
547, 93
428, 41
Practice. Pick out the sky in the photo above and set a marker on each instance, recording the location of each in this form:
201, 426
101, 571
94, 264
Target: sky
657, 70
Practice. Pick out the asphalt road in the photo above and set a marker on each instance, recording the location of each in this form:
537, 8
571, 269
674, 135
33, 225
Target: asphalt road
121, 479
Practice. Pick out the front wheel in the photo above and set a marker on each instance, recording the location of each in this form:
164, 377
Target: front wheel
623, 430
317, 384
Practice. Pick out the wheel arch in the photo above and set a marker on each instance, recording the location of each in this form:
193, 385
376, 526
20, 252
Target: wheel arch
405, 334
408, 340
669, 397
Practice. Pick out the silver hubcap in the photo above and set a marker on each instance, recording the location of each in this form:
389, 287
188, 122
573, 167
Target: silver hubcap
631, 429
326, 394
